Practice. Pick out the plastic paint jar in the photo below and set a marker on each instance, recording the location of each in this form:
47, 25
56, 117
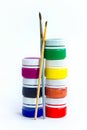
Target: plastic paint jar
56, 111
30, 91
56, 108
55, 49
56, 88
29, 88
29, 105
30, 67
29, 111
55, 92
56, 73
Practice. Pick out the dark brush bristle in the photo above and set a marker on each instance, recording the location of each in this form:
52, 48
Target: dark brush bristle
40, 16
45, 23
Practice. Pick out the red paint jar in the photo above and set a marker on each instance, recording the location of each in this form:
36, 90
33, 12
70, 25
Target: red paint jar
56, 111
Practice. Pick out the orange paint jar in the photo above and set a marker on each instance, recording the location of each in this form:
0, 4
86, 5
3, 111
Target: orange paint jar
59, 92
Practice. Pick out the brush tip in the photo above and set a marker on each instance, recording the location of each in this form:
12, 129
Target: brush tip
46, 23
40, 16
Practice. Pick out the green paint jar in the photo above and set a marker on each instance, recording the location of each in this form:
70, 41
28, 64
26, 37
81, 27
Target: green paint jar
55, 49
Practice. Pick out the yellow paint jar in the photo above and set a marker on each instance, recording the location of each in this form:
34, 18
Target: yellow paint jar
56, 73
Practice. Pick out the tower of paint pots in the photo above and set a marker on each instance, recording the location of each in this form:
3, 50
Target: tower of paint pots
56, 75
30, 74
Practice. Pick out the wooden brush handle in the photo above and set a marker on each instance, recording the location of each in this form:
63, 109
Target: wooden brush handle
40, 71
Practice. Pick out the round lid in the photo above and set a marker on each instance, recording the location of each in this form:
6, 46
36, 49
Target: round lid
56, 82
56, 106
31, 86
55, 63
57, 101
56, 87
31, 61
29, 82
55, 42
32, 105
27, 101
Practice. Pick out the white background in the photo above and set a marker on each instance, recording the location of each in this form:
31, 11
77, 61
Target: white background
19, 37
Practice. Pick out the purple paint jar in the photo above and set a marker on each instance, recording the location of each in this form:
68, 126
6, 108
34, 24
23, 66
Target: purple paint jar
30, 67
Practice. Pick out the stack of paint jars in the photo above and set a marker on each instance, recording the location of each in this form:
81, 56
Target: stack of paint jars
56, 74
30, 74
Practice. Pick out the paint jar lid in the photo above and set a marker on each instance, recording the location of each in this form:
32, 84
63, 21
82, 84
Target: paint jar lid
31, 61
31, 86
29, 82
55, 42
56, 82
57, 101
55, 63
31, 101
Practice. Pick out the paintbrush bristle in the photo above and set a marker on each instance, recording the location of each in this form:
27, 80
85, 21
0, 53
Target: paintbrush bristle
41, 31
46, 24
40, 16
45, 32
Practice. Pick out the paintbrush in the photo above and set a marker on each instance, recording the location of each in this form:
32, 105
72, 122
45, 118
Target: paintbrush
41, 30
43, 84
40, 71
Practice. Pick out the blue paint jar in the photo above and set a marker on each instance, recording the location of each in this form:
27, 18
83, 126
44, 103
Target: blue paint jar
29, 106
29, 111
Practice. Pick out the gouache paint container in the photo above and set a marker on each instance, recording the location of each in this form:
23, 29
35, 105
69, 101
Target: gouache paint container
31, 91
55, 92
59, 53
56, 108
56, 73
30, 67
57, 111
29, 111
29, 105
55, 49
29, 88
56, 88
